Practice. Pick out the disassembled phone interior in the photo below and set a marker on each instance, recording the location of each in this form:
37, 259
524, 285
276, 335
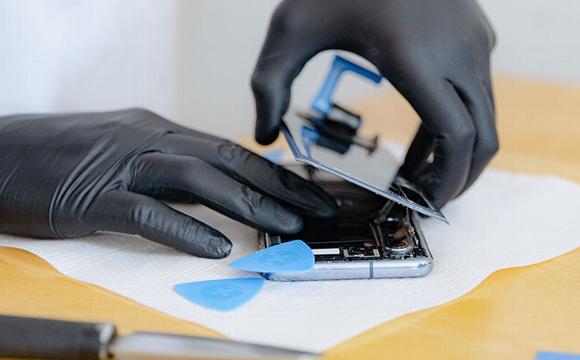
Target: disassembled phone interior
376, 233
370, 237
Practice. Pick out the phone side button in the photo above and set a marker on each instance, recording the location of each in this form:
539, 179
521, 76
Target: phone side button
371, 270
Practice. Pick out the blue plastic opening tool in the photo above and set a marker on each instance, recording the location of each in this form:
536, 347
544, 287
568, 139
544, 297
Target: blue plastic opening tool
221, 295
291, 256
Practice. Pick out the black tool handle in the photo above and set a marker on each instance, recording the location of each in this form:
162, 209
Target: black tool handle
22, 337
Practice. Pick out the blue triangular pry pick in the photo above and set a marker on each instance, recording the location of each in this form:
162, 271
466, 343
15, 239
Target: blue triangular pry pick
222, 295
292, 256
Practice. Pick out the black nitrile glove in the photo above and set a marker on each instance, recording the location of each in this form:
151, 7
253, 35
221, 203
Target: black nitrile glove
435, 52
70, 175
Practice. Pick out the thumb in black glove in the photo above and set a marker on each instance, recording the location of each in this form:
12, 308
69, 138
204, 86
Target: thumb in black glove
436, 53
69, 175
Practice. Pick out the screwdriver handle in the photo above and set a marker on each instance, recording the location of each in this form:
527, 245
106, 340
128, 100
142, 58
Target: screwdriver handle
22, 337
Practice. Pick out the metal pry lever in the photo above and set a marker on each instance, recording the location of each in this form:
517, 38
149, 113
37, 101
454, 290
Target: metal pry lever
22, 337
336, 125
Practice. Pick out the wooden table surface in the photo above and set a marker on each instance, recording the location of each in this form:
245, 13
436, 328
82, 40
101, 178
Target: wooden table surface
512, 315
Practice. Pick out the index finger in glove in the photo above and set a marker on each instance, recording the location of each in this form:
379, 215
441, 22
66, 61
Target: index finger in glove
255, 171
211, 187
283, 55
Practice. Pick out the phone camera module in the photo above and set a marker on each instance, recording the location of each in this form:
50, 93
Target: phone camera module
399, 242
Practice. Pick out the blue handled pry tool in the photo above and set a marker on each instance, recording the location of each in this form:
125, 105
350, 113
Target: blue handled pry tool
323, 103
333, 126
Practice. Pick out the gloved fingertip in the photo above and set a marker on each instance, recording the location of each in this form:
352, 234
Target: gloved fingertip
272, 97
221, 249
290, 223
320, 205
266, 136
327, 209
308, 198
215, 245
276, 218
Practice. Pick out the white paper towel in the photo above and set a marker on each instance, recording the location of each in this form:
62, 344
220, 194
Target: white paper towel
505, 220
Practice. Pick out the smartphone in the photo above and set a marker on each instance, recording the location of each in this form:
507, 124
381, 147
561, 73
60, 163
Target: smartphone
371, 237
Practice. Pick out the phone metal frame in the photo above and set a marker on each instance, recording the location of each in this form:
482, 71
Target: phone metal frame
359, 269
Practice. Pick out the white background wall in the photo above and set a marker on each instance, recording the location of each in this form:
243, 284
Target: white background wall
191, 60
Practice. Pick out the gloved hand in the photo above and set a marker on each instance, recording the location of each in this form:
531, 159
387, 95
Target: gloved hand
436, 53
69, 175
